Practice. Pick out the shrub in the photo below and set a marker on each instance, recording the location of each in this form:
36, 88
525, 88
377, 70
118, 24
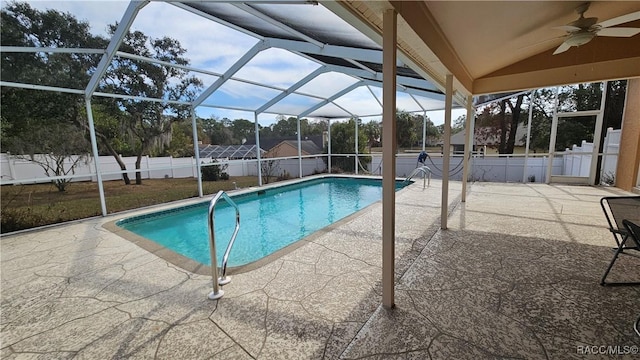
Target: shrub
20, 219
214, 172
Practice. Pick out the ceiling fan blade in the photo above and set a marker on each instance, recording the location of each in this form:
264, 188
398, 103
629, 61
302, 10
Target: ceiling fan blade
621, 19
562, 48
568, 28
619, 32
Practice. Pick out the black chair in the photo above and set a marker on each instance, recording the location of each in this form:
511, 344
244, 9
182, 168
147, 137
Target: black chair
620, 210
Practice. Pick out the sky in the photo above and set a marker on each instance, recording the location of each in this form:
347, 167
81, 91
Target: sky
214, 47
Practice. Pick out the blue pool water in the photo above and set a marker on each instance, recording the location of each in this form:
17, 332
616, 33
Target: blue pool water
269, 219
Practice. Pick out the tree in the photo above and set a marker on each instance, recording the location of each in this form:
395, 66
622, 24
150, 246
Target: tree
181, 144
458, 124
217, 132
269, 166
39, 122
407, 125
289, 126
572, 98
242, 129
149, 124
372, 131
343, 142
111, 134
406, 122
500, 121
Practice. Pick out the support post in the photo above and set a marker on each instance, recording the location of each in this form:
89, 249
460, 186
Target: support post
257, 131
196, 150
597, 137
446, 150
299, 148
96, 155
528, 142
468, 145
424, 130
356, 141
389, 61
329, 145
552, 137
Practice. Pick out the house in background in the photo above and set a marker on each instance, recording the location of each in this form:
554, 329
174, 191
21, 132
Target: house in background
288, 148
487, 140
288, 145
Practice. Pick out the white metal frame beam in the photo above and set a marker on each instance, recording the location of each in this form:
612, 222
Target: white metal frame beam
24, 49
292, 89
230, 72
331, 98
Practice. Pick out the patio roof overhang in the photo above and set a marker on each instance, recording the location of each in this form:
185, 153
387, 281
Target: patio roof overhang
502, 46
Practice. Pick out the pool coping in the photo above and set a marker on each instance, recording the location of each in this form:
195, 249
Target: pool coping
195, 267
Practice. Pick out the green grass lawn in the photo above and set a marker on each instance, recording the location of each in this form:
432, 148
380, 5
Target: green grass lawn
29, 206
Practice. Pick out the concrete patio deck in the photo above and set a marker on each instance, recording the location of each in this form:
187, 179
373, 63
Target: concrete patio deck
516, 275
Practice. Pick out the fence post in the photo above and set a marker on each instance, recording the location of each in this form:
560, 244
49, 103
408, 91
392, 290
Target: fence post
148, 167
12, 170
506, 169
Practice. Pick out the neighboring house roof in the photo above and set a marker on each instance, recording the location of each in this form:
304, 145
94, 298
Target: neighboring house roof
228, 151
488, 136
269, 143
307, 147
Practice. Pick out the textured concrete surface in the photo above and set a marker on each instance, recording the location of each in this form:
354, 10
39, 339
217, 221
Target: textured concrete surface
516, 275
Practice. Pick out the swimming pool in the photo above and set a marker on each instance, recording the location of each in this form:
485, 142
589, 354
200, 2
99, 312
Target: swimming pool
271, 219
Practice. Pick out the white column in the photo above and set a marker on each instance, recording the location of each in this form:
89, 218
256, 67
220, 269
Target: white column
356, 149
446, 150
552, 137
424, 131
257, 130
196, 150
329, 146
96, 155
299, 149
597, 137
526, 149
389, 58
468, 145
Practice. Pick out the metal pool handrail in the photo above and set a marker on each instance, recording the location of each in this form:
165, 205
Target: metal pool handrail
424, 170
217, 293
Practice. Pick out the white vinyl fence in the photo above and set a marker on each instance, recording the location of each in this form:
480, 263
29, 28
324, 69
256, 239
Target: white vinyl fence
503, 168
510, 168
506, 168
18, 168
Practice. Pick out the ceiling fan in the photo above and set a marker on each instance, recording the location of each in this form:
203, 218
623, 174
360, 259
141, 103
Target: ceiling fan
583, 30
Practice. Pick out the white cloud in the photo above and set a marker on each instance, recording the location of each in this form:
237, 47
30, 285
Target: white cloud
277, 67
99, 14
